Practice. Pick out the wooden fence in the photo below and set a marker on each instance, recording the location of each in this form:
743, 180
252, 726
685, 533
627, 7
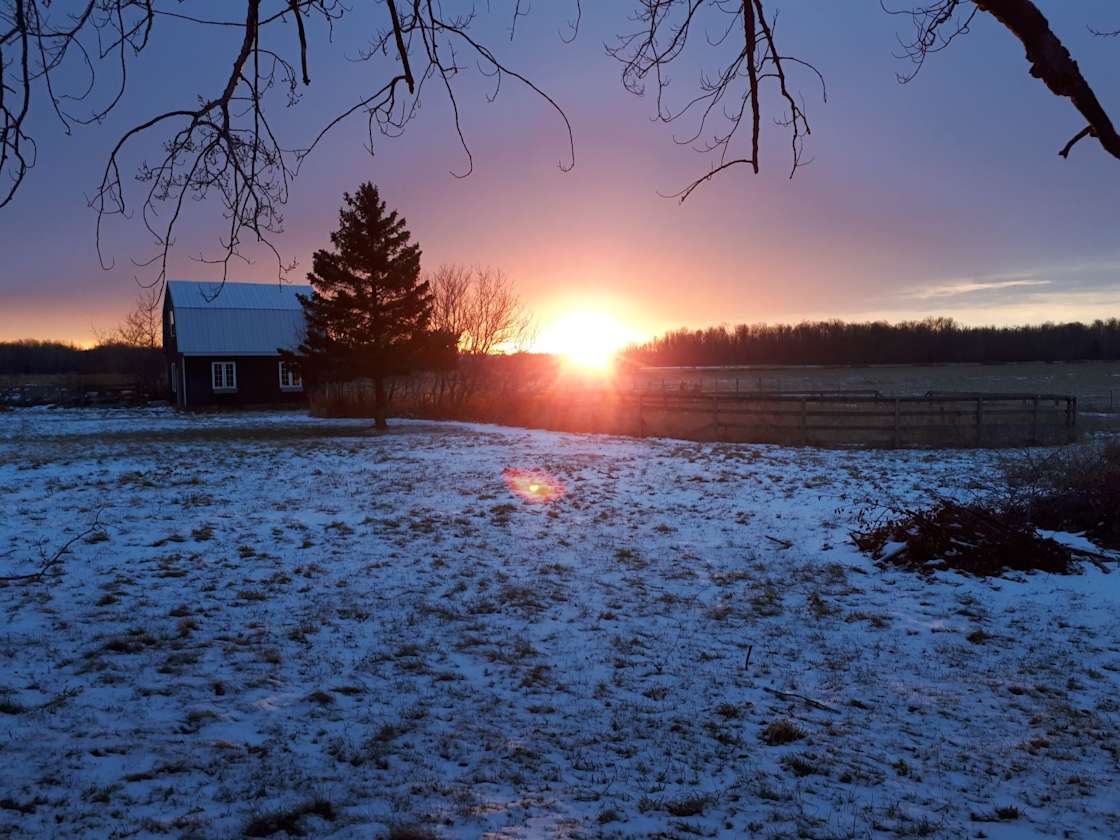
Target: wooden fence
80, 390
817, 418
861, 418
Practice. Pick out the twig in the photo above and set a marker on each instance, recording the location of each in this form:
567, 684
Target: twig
48, 562
789, 695
1087, 131
782, 543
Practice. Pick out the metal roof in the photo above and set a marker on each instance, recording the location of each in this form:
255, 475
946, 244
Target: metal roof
210, 296
236, 319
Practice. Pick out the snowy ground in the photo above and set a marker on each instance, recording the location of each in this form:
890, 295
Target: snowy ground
295, 625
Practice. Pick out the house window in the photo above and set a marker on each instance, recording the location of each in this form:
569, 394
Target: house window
171, 322
223, 376
290, 380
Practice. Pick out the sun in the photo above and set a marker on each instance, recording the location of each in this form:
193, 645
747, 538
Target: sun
586, 338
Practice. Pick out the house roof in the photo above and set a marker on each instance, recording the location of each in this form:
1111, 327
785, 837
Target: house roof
236, 319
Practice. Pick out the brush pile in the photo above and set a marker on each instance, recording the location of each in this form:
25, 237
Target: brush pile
1074, 490
964, 538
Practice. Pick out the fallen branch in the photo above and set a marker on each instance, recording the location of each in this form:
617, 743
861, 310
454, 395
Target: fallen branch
49, 562
789, 695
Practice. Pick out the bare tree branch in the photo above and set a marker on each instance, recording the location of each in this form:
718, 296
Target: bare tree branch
1051, 62
725, 97
222, 148
937, 24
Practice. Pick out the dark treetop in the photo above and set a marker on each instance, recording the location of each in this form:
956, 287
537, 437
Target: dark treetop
369, 314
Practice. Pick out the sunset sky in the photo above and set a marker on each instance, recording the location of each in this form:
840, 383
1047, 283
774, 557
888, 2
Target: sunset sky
941, 197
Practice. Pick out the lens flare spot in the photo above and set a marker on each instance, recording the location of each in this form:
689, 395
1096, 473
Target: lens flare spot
535, 486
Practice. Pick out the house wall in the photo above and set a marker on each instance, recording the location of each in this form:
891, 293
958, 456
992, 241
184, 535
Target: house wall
258, 382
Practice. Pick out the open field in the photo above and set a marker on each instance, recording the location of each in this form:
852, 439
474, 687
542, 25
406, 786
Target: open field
281, 624
1095, 384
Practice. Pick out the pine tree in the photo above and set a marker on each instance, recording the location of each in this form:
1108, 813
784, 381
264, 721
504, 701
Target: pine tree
368, 315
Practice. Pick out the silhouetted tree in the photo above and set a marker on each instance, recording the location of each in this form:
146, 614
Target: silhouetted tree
222, 144
933, 340
142, 326
481, 307
369, 314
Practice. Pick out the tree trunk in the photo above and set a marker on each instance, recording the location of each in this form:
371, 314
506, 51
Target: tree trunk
380, 404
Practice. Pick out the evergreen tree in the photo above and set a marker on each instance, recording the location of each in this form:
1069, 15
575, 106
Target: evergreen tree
368, 315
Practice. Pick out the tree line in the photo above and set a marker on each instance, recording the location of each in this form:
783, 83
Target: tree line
933, 340
38, 358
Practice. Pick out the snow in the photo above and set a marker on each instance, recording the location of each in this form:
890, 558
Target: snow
1078, 542
277, 610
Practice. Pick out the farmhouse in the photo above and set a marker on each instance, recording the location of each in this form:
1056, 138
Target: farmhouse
222, 342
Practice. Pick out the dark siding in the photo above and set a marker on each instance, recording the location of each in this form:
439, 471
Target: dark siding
258, 382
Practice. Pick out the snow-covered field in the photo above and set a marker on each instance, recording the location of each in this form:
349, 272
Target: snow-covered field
284, 624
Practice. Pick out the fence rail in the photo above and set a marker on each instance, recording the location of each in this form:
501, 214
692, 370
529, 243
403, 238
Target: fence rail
1097, 400
821, 417
933, 419
834, 418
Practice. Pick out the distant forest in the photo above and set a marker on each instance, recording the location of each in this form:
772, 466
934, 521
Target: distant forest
52, 357
909, 342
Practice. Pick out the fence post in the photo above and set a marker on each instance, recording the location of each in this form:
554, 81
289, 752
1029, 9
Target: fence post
715, 413
979, 421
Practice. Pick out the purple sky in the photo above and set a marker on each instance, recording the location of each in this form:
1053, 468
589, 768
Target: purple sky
945, 196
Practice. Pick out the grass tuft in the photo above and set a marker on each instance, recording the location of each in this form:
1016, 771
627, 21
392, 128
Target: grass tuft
689, 806
780, 732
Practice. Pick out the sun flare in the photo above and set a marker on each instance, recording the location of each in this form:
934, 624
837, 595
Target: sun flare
586, 338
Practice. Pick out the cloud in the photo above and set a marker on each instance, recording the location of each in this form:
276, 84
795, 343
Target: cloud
1035, 307
1100, 275
970, 286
